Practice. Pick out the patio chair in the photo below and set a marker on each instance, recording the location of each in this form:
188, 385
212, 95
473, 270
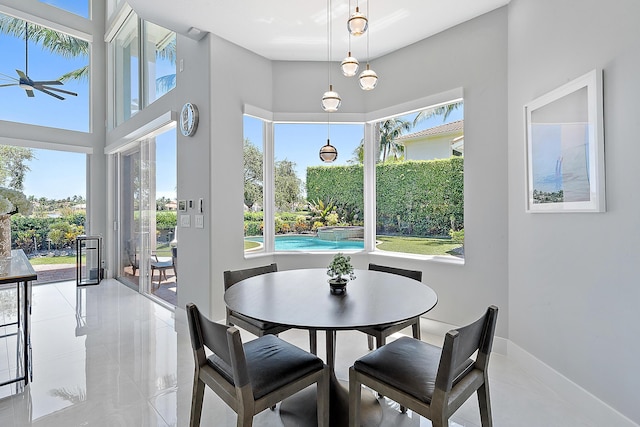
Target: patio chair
250, 324
380, 333
432, 381
251, 377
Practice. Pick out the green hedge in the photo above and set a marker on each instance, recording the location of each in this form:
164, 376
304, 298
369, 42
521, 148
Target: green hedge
416, 197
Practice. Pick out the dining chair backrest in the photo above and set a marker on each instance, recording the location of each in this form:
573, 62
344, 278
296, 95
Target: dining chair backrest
461, 343
226, 344
413, 274
233, 277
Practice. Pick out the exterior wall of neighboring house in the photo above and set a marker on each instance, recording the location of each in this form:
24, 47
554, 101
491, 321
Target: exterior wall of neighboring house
428, 148
434, 143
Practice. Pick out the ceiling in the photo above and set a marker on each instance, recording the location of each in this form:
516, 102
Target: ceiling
297, 30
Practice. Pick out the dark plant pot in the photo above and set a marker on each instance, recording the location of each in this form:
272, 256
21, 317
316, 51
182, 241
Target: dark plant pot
338, 286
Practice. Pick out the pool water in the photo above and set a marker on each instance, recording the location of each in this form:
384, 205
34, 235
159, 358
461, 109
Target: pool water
310, 243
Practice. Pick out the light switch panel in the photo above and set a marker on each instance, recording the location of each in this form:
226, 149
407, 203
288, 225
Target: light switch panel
199, 221
185, 221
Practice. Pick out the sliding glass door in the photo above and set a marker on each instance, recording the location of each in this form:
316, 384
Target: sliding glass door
147, 216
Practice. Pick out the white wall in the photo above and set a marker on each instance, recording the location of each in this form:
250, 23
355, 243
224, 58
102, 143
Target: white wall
428, 149
573, 278
238, 77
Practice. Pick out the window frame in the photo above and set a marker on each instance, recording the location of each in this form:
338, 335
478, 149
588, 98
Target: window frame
369, 167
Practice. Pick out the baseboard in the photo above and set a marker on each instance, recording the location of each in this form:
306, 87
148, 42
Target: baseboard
593, 408
589, 405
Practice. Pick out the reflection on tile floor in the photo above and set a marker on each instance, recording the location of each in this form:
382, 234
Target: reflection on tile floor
107, 356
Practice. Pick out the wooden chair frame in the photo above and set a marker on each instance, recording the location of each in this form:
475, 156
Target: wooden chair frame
381, 334
459, 346
239, 395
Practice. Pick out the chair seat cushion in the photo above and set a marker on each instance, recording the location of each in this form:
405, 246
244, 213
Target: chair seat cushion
257, 323
272, 363
409, 365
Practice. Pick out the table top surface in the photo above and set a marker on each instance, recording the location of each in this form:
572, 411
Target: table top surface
17, 268
301, 298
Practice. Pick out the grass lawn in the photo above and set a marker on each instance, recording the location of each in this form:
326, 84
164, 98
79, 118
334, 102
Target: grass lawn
53, 260
250, 245
416, 245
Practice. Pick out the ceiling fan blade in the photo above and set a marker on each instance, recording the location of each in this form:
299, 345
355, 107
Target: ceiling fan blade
8, 77
29, 93
47, 92
22, 75
10, 84
56, 89
48, 82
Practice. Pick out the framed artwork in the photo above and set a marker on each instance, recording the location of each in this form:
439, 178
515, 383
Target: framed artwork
565, 148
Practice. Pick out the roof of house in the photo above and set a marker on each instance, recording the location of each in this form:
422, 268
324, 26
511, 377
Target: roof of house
436, 130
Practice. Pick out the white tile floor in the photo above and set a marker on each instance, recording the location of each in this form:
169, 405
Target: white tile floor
107, 356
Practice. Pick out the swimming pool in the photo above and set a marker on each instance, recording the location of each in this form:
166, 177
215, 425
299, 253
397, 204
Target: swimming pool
310, 243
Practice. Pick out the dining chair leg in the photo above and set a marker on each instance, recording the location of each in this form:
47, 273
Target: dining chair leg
485, 405
323, 399
313, 341
196, 402
416, 330
355, 395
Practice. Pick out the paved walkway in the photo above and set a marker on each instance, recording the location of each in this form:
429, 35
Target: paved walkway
55, 272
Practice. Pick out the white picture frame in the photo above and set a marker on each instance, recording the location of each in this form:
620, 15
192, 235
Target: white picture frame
565, 148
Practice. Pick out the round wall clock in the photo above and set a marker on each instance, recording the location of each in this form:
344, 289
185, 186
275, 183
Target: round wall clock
189, 119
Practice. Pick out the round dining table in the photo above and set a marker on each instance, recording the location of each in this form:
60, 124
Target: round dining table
302, 299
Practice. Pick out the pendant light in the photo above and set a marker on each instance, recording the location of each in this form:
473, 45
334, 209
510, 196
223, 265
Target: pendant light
357, 23
368, 78
331, 99
328, 153
349, 65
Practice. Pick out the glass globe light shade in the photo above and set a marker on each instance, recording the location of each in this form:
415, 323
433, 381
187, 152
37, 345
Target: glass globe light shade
368, 79
328, 153
331, 100
349, 66
357, 23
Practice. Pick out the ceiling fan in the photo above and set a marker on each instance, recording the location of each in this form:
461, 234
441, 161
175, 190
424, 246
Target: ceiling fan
29, 85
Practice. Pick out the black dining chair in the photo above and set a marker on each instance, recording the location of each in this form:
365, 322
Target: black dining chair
432, 381
380, 333
255, 326
251, 377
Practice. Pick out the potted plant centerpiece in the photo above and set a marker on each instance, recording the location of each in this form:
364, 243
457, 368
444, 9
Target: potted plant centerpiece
340, 265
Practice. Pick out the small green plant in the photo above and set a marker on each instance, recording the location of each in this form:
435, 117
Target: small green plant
340, 264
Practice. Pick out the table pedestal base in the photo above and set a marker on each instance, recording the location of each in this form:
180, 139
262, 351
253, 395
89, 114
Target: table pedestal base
300, 409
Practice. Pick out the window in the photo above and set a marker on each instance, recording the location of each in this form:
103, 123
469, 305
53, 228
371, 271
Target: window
253, 154
295, 202
419, 182
144, 66
160, 61
79, 7
126, 57
54, 56
316, 206
48, 234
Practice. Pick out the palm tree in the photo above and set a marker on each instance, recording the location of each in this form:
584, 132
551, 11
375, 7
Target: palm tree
51, 40
389, 130
442, 110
